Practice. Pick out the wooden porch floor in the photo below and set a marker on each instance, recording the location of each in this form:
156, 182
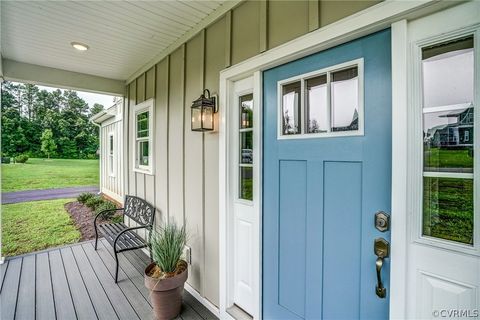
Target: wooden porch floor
76, 282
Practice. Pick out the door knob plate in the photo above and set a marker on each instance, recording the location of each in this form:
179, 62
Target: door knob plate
381, 248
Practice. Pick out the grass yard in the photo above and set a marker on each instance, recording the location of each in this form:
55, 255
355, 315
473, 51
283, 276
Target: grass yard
48, 174
36, 225
448, 158
448, 209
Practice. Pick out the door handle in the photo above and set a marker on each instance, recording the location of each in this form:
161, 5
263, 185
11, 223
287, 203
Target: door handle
379, 288
381, 248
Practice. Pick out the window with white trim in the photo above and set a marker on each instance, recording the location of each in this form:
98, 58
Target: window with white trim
448, 140
143, 137
111, 154
327, 102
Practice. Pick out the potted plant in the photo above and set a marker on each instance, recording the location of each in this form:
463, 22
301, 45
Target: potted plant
166, 275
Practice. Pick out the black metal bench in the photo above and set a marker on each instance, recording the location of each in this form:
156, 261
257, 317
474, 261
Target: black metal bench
120, 236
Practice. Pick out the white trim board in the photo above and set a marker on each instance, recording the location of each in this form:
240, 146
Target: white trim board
378, 17
35, 74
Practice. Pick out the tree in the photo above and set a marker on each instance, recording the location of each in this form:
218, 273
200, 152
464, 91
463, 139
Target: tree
26, 112
48, 144
96, 109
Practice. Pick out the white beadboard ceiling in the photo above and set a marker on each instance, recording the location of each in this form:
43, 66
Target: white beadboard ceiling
122, 35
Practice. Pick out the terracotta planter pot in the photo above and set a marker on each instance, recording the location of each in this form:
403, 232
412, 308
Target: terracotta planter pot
166, 294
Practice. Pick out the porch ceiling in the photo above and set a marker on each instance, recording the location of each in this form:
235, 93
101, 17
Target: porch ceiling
122, 35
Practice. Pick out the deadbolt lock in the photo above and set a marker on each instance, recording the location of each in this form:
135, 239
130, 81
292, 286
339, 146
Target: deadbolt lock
382, 221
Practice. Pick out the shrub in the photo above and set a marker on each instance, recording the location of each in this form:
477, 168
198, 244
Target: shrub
94, 202
116, 219
5, 159
22, 158
167, 246
106, 205
83, 197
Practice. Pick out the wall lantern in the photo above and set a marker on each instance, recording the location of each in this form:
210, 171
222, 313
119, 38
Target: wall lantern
203, 110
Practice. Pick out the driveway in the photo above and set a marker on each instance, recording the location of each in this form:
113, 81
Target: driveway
46, 194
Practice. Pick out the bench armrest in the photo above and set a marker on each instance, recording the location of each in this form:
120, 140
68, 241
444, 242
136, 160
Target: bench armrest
129, 229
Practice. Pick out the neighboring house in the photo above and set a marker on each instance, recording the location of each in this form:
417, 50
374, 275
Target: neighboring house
288, 203
111, 149
458, 133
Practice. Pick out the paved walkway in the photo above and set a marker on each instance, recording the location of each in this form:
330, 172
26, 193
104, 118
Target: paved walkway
46, 194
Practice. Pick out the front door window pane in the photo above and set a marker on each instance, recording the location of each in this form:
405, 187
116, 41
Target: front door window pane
246, 111
246, 147
448, 209
317, 104
246, 183
344, 100
291, 108
448, 141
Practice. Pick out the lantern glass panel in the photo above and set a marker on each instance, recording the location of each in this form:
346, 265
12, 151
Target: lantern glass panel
207, 118
196, 118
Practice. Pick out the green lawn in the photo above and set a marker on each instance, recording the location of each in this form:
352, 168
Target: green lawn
448, 158
448, 209
47, 174
36, 225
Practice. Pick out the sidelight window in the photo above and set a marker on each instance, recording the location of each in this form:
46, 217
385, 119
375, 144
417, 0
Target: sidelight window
324, 103
246, 147
448, 140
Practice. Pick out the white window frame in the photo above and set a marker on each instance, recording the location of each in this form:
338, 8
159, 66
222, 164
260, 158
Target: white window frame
415, 130
146, 106
111, 154
306, 76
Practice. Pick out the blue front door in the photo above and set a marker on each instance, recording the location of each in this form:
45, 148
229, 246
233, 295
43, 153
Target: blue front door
327, 171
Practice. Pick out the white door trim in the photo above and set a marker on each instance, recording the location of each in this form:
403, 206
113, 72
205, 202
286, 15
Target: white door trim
383, 15
399, 235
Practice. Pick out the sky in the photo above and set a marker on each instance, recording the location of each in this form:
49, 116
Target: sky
90, 98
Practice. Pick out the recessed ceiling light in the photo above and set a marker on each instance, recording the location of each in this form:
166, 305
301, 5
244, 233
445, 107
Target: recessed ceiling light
79, 46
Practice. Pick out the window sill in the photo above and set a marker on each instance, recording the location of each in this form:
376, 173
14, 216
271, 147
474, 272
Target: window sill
144, 171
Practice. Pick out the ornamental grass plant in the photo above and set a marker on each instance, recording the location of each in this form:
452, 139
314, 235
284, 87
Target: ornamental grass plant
167, 248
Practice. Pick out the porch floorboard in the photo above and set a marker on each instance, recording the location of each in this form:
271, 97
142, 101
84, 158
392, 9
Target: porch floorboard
76, 282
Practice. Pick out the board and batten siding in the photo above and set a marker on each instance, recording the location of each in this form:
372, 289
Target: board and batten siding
112, 185
184, 186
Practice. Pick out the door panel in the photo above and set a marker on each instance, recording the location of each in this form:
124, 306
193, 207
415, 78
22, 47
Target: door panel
321, 194
242, 292
443, 265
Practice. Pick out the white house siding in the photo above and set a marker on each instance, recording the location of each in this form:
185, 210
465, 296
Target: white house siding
112, 185
184, 186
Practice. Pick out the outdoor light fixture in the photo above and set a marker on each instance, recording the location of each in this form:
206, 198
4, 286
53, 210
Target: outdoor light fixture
203, 110
79, 46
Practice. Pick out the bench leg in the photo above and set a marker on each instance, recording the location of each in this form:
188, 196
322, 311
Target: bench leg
96, 237
116, 266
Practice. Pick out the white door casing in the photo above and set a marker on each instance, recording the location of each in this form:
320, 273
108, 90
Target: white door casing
443, 277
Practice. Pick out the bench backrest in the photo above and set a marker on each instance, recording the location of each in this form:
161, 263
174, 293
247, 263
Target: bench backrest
139, 210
